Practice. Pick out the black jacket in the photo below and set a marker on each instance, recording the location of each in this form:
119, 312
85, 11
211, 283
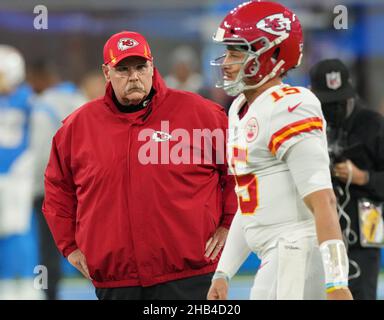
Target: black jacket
364, 135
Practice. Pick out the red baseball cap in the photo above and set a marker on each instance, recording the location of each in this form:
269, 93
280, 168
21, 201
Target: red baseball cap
125, 44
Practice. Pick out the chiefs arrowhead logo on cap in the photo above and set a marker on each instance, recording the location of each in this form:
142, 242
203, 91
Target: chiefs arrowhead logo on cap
126, 43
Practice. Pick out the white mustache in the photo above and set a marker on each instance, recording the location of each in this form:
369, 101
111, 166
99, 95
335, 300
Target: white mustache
135, 88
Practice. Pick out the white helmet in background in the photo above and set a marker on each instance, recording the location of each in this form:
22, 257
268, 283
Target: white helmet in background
12, 67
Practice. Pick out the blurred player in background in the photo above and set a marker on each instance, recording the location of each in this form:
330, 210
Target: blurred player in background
139, 229
278, 153
184, 73
15, 177
53, 100
92, 85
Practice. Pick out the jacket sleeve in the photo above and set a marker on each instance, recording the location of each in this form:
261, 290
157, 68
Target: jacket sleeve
376, 176
227, 180
60, 200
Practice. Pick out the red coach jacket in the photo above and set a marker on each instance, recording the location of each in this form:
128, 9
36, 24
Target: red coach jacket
110, 192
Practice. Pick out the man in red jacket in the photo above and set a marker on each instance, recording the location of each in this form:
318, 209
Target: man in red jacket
137, 194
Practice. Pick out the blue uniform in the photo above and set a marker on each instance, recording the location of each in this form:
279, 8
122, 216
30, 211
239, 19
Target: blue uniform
14, 126
17, 247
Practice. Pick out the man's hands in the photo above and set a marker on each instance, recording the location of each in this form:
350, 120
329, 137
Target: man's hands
341, 171
216, 243
218, 290
213, 246
219, 287
340, 294
77, 259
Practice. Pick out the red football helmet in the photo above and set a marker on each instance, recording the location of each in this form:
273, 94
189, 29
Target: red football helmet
271, 36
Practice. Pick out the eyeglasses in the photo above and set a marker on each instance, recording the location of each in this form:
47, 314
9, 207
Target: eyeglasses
126, 71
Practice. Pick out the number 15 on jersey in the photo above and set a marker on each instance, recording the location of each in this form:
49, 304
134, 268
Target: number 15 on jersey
247, 184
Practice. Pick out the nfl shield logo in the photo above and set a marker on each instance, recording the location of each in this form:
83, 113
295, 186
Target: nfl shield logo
333, 80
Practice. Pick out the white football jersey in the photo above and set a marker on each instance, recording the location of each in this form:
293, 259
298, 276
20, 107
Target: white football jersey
269, 203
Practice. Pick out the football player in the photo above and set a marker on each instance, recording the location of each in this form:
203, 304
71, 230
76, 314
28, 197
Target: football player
277, 149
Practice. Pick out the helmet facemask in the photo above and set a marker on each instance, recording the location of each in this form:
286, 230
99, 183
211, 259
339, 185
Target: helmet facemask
233, 87
250, 65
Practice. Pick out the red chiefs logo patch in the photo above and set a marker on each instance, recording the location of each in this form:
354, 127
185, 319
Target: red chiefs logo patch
126, 43
160, 136
275, 24
251, 129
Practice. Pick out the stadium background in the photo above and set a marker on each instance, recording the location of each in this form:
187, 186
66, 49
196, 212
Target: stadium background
75, 37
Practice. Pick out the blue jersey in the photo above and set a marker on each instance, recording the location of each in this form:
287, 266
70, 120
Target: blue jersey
14, 126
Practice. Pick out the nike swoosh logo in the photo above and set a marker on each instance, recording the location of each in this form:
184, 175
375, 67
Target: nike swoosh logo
290, 109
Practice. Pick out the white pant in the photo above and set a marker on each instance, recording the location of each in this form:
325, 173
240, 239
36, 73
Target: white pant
292, 270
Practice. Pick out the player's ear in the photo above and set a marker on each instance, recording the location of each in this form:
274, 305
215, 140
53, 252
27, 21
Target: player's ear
106, 71
151, 66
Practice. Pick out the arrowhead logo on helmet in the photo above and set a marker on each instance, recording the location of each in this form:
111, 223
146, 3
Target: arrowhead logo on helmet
275, 24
